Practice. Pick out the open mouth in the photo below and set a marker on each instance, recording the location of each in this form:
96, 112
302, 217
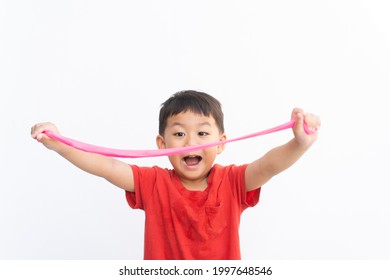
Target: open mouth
192, 160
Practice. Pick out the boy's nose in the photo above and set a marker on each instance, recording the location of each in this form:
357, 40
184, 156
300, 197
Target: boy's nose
191, 141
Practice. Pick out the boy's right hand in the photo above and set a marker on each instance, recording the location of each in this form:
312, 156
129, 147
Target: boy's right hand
36, 133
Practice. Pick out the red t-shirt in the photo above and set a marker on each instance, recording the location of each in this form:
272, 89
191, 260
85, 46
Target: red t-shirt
183, 224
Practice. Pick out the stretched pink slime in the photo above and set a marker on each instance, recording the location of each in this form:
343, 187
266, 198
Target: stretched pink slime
162, 152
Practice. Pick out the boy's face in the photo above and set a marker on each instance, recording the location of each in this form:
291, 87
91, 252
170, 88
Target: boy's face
190, 129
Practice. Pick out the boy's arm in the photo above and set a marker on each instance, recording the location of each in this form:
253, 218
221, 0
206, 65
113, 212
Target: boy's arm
280, 158
116, 172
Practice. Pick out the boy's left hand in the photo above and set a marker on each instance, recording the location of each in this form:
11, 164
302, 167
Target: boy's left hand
313, 123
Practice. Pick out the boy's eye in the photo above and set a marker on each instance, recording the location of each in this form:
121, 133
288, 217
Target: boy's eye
203, 133
179, 134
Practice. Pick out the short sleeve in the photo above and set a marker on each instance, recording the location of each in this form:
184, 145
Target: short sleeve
144, 182
248, 199
252, 197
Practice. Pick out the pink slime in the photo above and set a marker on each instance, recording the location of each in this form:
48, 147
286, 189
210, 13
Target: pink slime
162, 152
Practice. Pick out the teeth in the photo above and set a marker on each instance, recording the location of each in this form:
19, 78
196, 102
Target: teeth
192, 160
191, 157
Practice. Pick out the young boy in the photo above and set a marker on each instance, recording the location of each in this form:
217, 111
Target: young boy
193, 210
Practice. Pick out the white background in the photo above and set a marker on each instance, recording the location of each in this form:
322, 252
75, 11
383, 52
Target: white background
100, 70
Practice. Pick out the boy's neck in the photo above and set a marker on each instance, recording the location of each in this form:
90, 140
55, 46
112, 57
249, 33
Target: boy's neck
195, 185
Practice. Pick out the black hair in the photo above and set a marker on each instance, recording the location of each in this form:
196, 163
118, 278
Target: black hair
194, 101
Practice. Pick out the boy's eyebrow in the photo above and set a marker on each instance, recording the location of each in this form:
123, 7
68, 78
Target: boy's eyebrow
176, 124
181, 124
205, 123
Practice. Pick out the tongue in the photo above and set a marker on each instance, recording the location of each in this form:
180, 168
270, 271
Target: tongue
192, 160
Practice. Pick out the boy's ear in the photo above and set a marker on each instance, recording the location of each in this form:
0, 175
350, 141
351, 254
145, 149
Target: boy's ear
221, 148
160, 142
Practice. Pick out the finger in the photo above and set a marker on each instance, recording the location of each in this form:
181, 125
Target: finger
39, 137
37, 129
299, 117
42, 138
310, 121
313, 122
295, 112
